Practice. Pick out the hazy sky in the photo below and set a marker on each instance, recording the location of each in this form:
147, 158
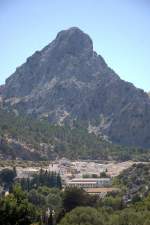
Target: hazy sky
120, 30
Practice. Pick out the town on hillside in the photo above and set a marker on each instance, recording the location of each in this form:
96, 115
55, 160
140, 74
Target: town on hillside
93, 176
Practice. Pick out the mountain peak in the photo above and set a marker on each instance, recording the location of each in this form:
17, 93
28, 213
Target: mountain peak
67, 81
73, 41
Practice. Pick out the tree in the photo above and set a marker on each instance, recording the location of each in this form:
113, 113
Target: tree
103, 175
54, 201
45, 178
115, 203
82, 215
37, 199
74, 197
59, 182
7, 177
16, 210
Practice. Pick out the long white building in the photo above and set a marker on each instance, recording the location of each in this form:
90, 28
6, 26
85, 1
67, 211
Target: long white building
90, 182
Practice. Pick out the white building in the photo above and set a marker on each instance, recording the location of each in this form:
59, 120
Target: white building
90, 182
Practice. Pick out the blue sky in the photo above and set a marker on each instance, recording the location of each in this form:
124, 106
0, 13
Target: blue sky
120, 30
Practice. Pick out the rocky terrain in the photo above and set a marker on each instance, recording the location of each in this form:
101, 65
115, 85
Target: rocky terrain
67, 81
135, 182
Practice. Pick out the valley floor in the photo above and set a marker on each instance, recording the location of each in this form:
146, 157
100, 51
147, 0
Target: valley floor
69, 169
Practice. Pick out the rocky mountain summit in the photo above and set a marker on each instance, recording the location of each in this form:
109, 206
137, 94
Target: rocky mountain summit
67, 81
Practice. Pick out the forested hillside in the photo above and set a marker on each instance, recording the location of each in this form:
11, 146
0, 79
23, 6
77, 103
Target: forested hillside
28, 138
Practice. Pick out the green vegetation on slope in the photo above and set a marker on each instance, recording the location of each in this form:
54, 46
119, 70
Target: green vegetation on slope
43, 141
134, 182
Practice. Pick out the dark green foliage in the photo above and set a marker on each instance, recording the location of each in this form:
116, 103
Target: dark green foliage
103, 175
74, 197
7, 177
16, 210
44, 178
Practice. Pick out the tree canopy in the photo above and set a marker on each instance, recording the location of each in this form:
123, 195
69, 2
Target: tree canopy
82, 215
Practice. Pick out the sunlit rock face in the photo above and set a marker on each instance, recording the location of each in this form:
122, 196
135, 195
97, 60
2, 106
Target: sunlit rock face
68, 81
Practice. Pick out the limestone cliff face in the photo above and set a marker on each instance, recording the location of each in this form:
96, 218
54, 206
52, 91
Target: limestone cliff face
68, 81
